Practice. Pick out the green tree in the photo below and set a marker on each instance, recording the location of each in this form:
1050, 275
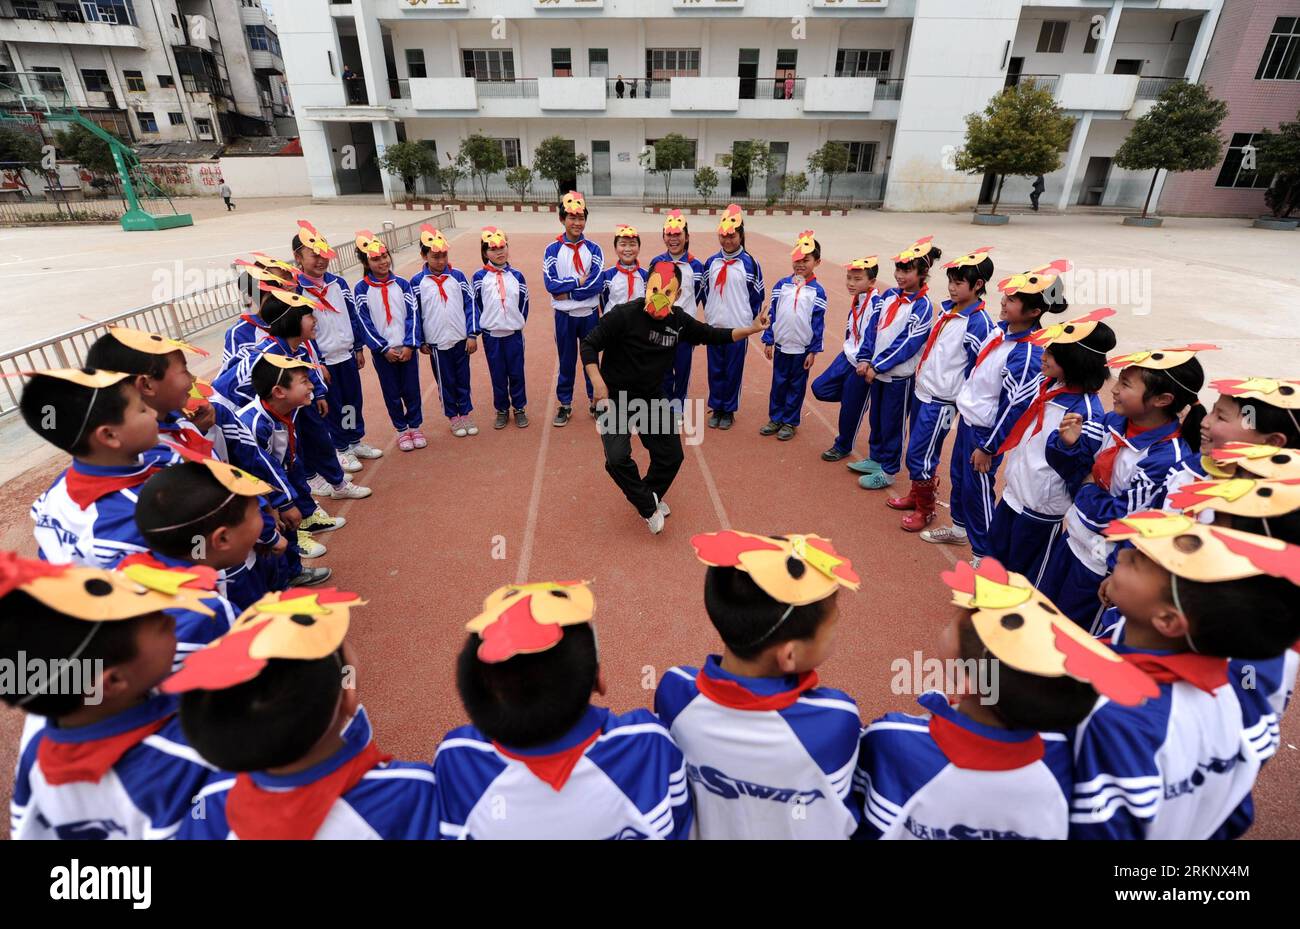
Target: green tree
409, 161
672, 152
1277, 154
706, 182
79, 144
749, 158
450, 174
829, 160
483, 158
1180, 133
556, 160
520, 178
1022, 133
793, 184
20, 150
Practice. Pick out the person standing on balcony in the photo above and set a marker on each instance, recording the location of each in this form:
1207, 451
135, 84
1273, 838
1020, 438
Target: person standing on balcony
632, 88
618, 87
225, 192
789, 85
572, 269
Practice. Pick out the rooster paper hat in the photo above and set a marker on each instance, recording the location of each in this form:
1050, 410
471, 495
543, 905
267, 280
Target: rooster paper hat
918, 250
433, 239
1159, 359
264, 268
970, 258
1267, 461
865, 263
284, 362
312, 239
1075, 330
89, 378
300, 624
198, 396
573, 203
623, 230
1020, 626
493, 236
94, 595
804, 245
674, 221
236, 480
524, 619
1274, 392
1035, 281
1239, 496
794, 569
1197, 552
289, 298
732, 218
150, 342
370, 244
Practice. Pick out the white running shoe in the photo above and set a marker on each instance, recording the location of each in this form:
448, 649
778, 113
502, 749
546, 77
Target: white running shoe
663, 508
362, 450
349, 491
656, 520
348, 462
945, 535
319, 486
458, 427
470, 428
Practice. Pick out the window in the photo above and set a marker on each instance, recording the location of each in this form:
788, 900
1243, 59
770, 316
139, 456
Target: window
862, 156
1051, 38
1281, 61
786, 61
203, 127
690, 161
1238, 167
561, 62
598, 62
510, 148
489, 64
176, 119
262, 39
115, 12
134, 81
27, 9
147, 122
672, 62
165, 80
49, 80
95, 80
415, 63
862, 62
69, 12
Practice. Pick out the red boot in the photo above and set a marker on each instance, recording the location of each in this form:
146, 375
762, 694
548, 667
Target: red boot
923, 492
907, 502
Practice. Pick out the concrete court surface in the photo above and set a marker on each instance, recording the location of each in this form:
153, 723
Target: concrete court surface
543, 493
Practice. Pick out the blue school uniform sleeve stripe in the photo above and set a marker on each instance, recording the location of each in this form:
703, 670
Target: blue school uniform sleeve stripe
553, 284
464, 767
1019, 387
523, 293
1117, 783
818, 318
910, 341
769, 337
754, 276
637, 753
896, 757
369, 334
595, 278
675, 692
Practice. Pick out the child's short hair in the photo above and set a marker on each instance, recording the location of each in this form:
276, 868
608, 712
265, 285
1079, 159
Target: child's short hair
1184, 381
749, 621
108, 354
268, 722
266, 377
980, 273
183, 503
923, 265
36, 632
1269, 418
67, 414
1051, 300
634, 238
483, 250
1255, 617
686, 238
1029, 701
287, 324
562, 212
817, 250
1083, 363
531, 699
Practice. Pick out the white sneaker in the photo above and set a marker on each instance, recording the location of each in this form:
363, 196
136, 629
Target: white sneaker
362, 450
975, 562
348, 462
308, 546
945, 535
663, 508
349, 491
656, 520
470, 428
458, 427
319, 486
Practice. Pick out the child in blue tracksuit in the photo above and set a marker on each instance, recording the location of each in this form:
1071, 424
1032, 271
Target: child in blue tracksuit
624, 281
263, 269
906, 314
1129, 458
945, 361
844, 381
446, 327
793, 338
733, 296
677, 240
501, 295
1037, 496
386, 309
1002, 383
571, 271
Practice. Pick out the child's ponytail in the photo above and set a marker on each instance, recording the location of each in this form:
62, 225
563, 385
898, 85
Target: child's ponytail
1191, 428
1184, 382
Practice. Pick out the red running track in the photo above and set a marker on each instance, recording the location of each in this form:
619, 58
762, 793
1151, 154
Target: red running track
449, 523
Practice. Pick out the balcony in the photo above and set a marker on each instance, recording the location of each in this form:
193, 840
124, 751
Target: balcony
63, 25
704, 94
265, 62
840, 95
204, 84
1097, 92
354, 104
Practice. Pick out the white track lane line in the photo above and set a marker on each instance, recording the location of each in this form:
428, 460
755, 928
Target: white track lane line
535, 497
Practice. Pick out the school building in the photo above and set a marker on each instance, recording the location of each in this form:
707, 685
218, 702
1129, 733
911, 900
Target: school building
892, 80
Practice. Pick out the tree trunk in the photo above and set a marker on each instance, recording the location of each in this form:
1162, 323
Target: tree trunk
830, 180
1150, 190
668, 184
997, 197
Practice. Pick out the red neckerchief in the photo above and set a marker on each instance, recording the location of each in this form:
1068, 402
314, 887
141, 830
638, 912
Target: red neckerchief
577, 253
383, 290
553, 769
254, 812
855, 319
317, 292
902, 298
794, 304
722, 275
631, 277
1204, 672
287, 422
253, 322
967, 749
437, 280
72, 762
1103, 468
501, 281
1035, 413
85, 489
738, 697
944, 320
988, 349
191, 439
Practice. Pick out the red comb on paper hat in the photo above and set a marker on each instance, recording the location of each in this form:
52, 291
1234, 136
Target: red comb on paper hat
1267, 461
525, 619
732, 218
1210, 554
1073, 330
917, 251
313, 240
1284, 394
370, 244
493, 236
1035, 281
804, 245
573, 203
433, 239
674, 221
780, 565
1160, 359
970, 258
1239, 496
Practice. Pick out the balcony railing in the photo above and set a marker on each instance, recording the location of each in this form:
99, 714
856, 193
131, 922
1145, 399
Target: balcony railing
399, 89
1149, 88
889, 88
64, 13
771, 88
646, 88
1045, 82
354, 91
203, 84
524, 87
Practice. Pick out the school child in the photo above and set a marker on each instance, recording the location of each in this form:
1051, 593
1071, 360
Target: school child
995, 763
107, 761
571, 271
769, 752
793, 338
1182, 766
87, 516
386, 308
1002, 383
947, 358
251, 327
1140, 441
906, 314
295, 746
733, 295
625, 280
844, 381
1036, 497
677, 242
339, 341
501, 295
447, 327
536, 745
